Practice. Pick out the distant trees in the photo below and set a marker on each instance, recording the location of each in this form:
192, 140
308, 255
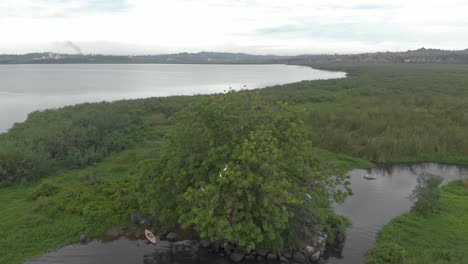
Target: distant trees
237, 167
426, 194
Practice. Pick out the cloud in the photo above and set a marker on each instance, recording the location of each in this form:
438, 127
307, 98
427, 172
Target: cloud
58, 8
257, 26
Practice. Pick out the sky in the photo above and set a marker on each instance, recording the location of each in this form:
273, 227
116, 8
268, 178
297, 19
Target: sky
287, 27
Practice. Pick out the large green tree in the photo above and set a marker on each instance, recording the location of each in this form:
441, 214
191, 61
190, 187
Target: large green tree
241, 168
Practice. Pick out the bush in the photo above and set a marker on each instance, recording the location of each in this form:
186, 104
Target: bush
45, 189
426, 194
71, 137
386, 253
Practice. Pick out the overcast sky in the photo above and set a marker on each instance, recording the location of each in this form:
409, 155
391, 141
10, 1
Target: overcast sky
252, 26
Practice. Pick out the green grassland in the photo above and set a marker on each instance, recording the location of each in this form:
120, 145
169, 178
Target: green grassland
54, 212
439, 238
380, 113
387, 113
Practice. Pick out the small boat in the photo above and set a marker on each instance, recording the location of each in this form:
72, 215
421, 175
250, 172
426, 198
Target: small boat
370, 177
150, 236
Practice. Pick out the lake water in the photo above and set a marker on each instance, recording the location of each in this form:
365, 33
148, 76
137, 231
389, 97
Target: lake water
26, 88
374, 204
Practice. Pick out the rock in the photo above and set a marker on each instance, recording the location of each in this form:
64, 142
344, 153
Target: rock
307, 197
309, 250
172, 237
145, 223
83, 238
114, 232
260, 258
136, 218
340, 237
261, 252
249, 257
314, 257
272, 256
205, 242
319, 242
283, 260
186, 244
299, 257
287, 255
237, 256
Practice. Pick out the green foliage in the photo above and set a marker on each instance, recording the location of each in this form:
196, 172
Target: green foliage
237, 167
426, 194
72, 137
77, 136
45, 189
441, 238
37, 217
386, 253
386, 113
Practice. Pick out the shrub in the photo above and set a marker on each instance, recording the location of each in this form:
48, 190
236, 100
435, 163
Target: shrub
426, 194
45, 189
386, 253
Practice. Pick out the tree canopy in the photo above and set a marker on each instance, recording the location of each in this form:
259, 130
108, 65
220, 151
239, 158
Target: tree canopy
241, 168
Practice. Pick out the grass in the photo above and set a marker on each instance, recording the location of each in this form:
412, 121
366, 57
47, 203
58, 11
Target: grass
89, 201
387, 113
439, 238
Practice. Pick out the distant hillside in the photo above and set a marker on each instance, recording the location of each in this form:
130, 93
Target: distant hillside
201, 57
422, 55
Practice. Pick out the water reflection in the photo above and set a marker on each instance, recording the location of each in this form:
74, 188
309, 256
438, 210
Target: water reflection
376, 202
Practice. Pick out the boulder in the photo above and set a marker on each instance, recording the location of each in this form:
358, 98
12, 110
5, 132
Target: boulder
145, 223
340, 237
309, 250
299, 257
249, 257
136, 218
260, 258
319, 242
314, 257
83, 238
186, 244
205, 242
287, 255
237, 256
261, 252
172, 236
272, 256
114, 232
283, 260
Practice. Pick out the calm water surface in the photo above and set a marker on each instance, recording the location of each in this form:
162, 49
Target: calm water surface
26, 88
374, 203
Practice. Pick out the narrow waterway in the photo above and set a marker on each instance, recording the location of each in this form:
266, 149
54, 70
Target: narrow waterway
374, 204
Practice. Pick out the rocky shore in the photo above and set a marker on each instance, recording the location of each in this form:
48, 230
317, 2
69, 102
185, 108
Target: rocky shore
172, 243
